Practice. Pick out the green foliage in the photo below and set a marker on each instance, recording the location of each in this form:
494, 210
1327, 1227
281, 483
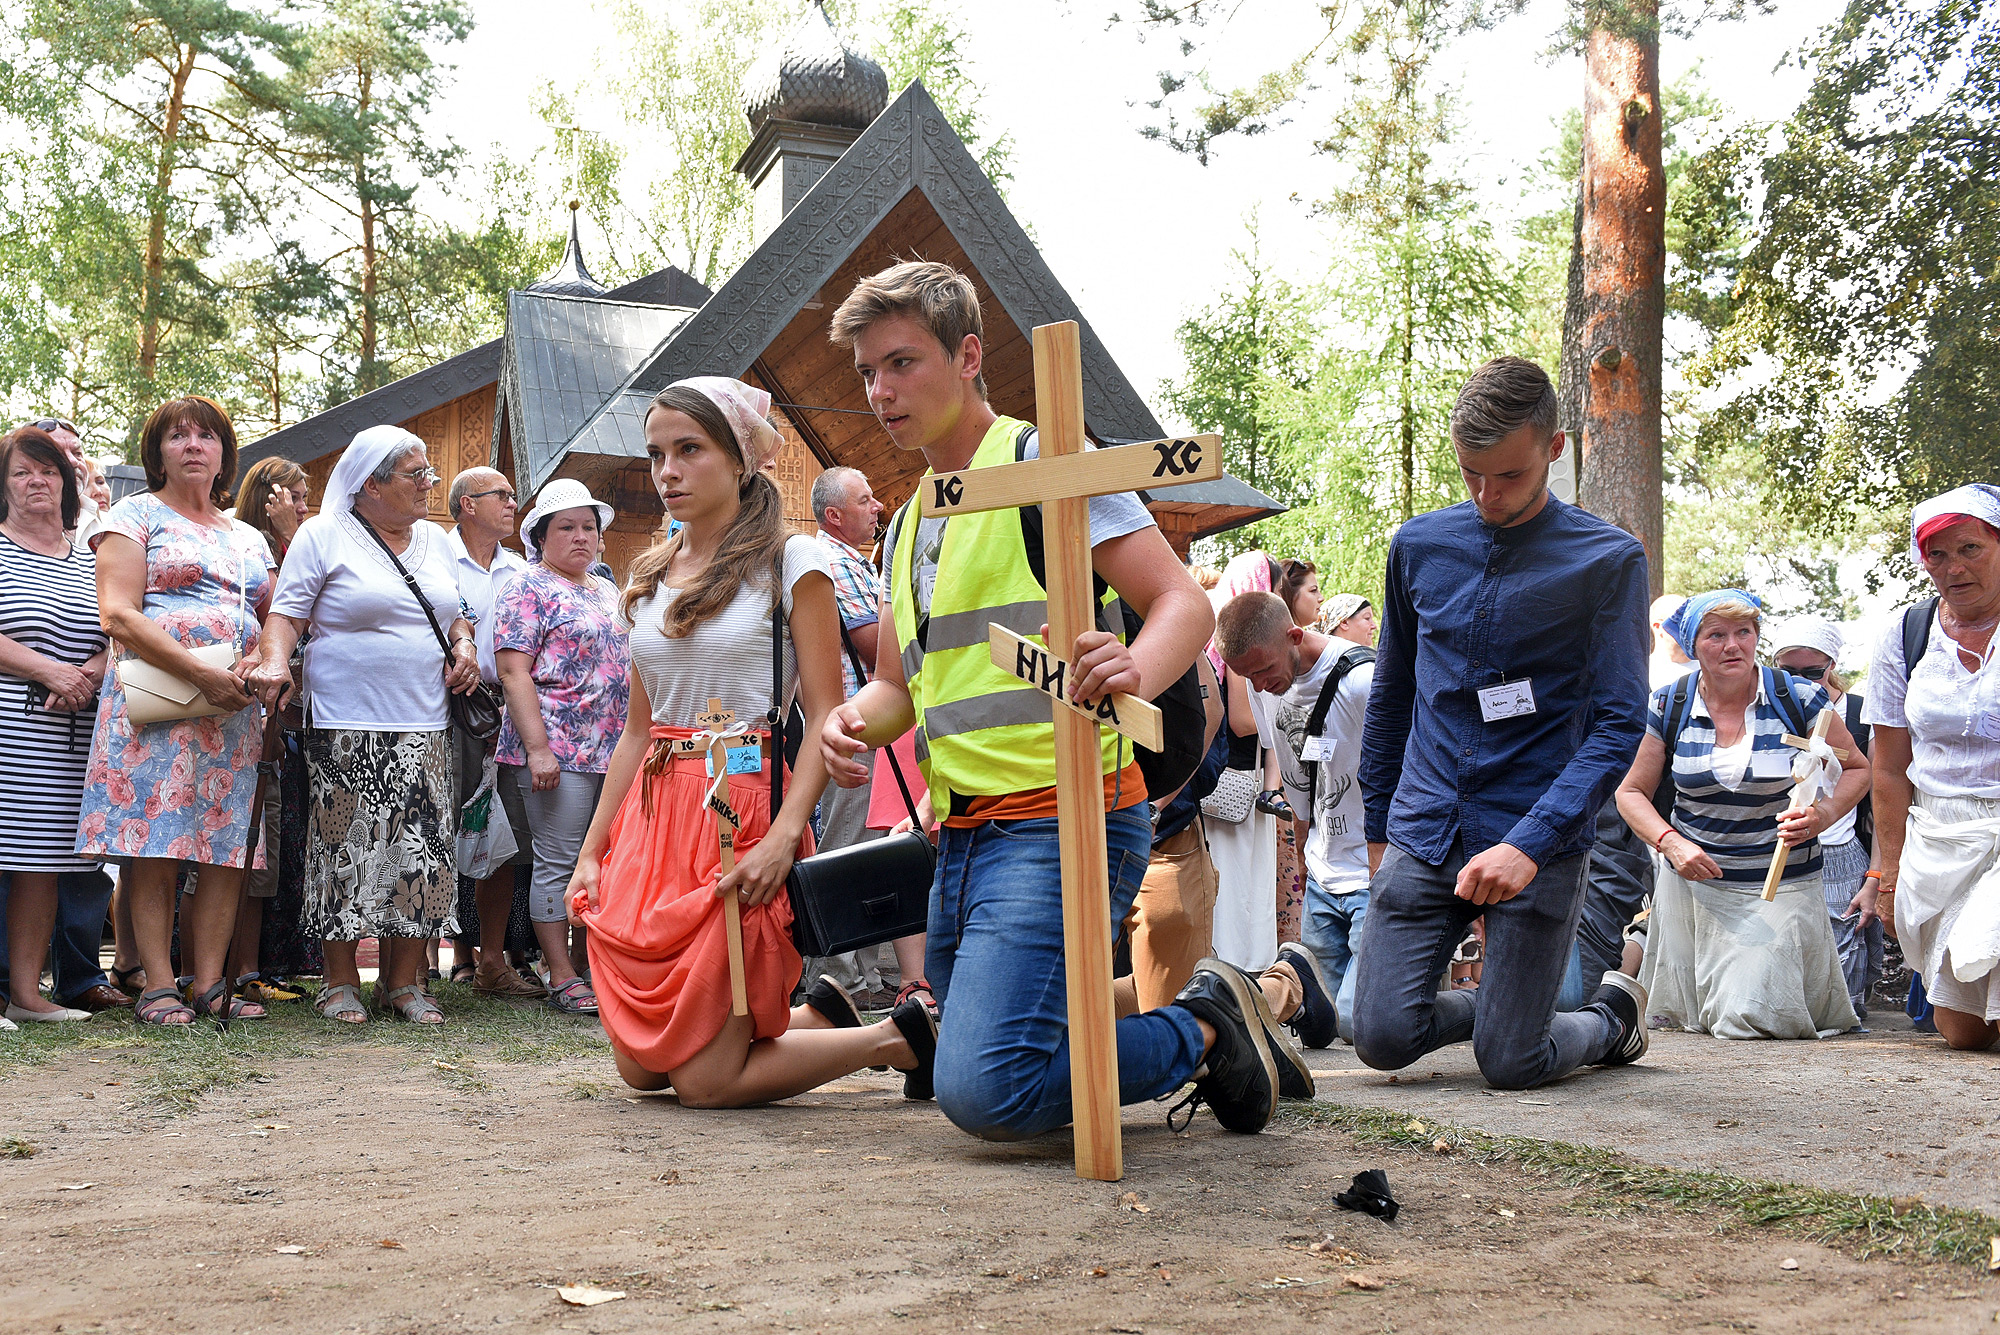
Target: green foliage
1337, 403
1864, 361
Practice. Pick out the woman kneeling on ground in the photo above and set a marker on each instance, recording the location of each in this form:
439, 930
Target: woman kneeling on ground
1720, 959
648, 881
1937, 786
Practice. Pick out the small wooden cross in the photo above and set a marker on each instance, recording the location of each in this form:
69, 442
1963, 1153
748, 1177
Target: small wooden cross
727, 823
1061, 481
1805, 774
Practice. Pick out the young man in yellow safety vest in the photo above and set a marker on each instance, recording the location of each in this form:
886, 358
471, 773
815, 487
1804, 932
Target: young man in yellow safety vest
994, 953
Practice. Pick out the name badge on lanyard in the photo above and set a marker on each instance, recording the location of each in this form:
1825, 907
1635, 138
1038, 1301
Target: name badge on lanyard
1510, 699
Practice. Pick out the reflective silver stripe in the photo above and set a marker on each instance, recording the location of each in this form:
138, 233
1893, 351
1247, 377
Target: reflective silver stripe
1001, 709
913, 661
1114, 617
962, 630
923, 745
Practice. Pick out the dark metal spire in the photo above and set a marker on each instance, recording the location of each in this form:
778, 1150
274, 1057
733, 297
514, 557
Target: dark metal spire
570, 278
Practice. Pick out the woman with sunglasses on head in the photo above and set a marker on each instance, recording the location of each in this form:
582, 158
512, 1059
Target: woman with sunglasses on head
1807, 648
380, 817
649, 882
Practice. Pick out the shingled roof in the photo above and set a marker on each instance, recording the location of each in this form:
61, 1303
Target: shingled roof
421, 391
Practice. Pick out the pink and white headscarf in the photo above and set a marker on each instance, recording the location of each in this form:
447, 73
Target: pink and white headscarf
1247, 572
745, 408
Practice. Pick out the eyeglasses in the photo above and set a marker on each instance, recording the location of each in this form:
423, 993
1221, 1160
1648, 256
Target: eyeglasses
1809, 673
508, 492
423, 477
55, 424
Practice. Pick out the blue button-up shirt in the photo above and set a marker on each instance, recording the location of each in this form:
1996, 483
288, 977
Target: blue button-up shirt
1559, 600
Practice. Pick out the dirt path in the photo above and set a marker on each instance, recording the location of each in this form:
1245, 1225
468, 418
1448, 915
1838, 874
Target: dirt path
849, 1210
1891, 1112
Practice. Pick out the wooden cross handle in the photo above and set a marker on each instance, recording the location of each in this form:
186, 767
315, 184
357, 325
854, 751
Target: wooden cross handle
732, 908
1781, 853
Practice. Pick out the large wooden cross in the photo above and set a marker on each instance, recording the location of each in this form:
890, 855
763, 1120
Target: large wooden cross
1805, 785
1061, 481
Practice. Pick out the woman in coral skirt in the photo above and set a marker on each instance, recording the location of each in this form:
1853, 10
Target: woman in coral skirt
648, 882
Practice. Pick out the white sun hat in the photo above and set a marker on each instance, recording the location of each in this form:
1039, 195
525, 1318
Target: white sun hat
565, 493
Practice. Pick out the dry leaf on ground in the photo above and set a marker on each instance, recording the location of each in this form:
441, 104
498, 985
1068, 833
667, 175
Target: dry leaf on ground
1130, 1201
390, 1243
1360, 1282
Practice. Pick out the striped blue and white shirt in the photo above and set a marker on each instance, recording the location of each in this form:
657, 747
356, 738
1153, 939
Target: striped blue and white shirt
1737, 825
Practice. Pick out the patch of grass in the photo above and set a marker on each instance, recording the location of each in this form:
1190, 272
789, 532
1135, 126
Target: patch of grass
18, 1147
1867, 1225
171, 1069
590, 1089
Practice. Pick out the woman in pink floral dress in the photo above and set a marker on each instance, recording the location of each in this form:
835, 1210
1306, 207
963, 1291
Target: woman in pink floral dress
173, 575
561, 649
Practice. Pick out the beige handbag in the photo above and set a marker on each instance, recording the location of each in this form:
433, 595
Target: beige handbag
155, 695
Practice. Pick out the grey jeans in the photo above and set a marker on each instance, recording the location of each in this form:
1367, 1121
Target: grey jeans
556, 821
1518, 1038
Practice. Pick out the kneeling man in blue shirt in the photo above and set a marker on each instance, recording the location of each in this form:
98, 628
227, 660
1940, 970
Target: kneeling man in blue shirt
1509, 698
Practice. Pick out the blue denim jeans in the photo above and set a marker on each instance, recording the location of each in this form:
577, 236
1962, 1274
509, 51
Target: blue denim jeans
1332, 932
994, 954
83, 898
1518, 1038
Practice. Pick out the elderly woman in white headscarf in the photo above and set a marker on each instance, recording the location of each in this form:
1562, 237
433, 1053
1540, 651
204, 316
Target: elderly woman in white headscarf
1808, 647
380, 821
1934, 704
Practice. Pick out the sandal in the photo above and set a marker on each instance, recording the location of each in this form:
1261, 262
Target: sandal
341, 1002
911, 989
123, 977
566, 1000
831, 1000
410, 1003
256, 987
464, 972
210, 1002
156, 1006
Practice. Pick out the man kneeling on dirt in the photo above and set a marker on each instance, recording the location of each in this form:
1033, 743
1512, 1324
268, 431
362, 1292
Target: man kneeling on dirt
994, 950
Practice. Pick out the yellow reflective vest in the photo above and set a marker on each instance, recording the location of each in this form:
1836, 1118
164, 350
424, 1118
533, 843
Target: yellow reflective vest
981, 732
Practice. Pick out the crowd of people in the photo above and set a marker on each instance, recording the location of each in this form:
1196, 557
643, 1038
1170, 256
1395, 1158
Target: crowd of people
1485, 810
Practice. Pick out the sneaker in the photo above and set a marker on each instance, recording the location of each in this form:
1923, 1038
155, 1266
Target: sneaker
1621, 994
1317, 1021
1295, 1078
1238, 1080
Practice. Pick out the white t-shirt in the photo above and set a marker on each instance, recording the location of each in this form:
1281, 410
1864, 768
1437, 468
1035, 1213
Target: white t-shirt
479, 587
728, 656
1336, 849
372, 663
1953, 715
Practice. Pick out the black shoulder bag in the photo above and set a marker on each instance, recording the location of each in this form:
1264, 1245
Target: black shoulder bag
865, 894
477, 712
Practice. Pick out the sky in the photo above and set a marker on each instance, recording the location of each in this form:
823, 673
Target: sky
1141, 235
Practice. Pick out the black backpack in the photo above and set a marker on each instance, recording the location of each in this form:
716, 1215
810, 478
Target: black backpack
1777, 686
1316, 721
1181, 715
1916, 634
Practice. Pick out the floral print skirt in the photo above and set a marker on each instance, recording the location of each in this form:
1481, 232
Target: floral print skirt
380, 825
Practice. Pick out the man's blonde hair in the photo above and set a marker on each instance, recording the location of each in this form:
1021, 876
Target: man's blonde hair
1249, 620
937, 296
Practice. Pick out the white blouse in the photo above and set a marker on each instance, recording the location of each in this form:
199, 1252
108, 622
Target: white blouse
1953, 715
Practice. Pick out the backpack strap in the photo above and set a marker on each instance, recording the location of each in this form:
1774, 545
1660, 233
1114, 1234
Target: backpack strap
1316, 721
1778, 685
1676, 713
1917, 633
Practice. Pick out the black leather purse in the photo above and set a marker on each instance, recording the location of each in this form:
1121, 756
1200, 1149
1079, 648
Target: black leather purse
475, 713
866, 894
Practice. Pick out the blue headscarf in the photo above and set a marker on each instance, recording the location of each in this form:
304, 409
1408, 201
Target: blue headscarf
1686, 619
